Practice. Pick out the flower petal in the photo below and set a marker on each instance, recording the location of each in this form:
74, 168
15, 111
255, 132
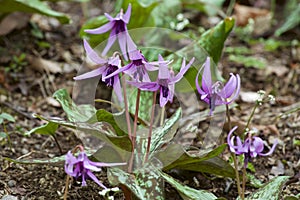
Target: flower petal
271, 150
112, 38
101, 29
183, 69
126, 16
122, 42
94, 178
146, 86
92, 54
206, 76
117, 88
257, 144
237, 91
230, 142
163, 71
91, 74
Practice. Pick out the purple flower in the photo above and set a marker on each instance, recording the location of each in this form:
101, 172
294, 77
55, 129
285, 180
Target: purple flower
138, 67
251, 147
215, 93
83, 167
118, 27
106, 68
165, 82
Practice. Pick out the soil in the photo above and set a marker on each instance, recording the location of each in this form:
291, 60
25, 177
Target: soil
29, 90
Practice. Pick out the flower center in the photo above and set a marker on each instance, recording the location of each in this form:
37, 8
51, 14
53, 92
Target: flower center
110, 69
140, 69
119, 26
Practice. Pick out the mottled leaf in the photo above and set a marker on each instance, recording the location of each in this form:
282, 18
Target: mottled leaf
32, 6
46, 129
188, 193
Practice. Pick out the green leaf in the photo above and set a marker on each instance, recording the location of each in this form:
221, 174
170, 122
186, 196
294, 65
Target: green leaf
145, 184
54, 160
75, 113
174, 156
271, 190
213, 39
3, 135
254, 181
46, 129
32, 6
188, 193
105, 116
163, 135
291, 21
100, 130
7, 117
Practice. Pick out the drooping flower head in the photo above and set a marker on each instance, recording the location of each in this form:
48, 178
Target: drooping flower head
107, 67
252, 146
165, 82
83, 167
216, 93
118, 27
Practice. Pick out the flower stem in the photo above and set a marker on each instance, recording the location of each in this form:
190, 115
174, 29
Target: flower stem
56, 141
244, 182
235, 162
133, 138
150, 127
251, 116
162, 116
66, 187
126, 108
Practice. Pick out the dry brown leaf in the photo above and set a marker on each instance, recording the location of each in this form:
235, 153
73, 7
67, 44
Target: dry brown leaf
41, 64
16, 20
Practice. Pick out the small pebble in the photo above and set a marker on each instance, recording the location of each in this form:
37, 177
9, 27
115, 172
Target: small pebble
9, 197
12, 183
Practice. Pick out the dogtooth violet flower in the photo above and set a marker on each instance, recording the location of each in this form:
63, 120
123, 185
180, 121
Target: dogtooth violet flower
252, 146
118, 27
216, 93
106, 68
138, 67
83, 167
165, 82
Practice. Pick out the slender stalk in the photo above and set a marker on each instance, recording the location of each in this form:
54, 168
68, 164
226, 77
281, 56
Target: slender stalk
133, 138
235, 162
126, 108
251, 116
66, 187
56, 141
230, 7
162, 116
244, 182
7, 135
150, 127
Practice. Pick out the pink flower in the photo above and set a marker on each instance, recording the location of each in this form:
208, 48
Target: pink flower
215, 94
83, 167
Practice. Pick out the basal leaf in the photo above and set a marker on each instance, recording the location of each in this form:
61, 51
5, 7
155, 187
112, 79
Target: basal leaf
105, 116
75, 113
270, 191
213, 39
46, 129
291, 21
7, 117
145, 184
188, 193
32, 6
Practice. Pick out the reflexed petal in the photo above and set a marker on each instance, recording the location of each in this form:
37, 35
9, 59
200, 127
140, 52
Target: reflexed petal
131, 46
94, 178
163, 71
150, 66
257, 144
109, 17
112, 38
171, 91
91, 74
162, 100
135, 55
126, 16
122, 69
230, 141
200, 91
92, 54
183, 70
90, 166
146, 86
117, 88
101, 29
115, 61
206, 76
230, 87
122, 42
271, 150
238, 87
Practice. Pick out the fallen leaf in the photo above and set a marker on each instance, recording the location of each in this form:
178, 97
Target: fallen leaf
41, 64
278, 170
16, 20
